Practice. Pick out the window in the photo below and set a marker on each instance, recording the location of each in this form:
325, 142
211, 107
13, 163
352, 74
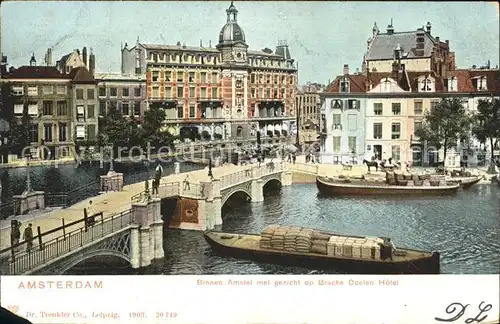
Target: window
214, 93
275, 79
416, 126
396, 130
426, 85
80, 132
352, 122
191, 77
396, 153
352, 144
344, 86
112, 92
80, 110
452, 84
168, 76
102, 108
180, 76
192, 112
137, 109
203, 92
47, 132
203, 77
396, 108
191, 92
63, 132
33, 91
180, 112
48, 89
261, 93
155, 76
91, 111
18, 91
377, 108
336, 144
434, 103
239, 131
90, 93
268, 93
481, 83
252, 78
377, 130
180, 92
79, 94
156, 92
137, 92
33, 109
91, 132
418, 107
168, 92
33, 133
214, 77
62, 108
353, 104
47, 108
386, 86
125, 109
61, 90
18, 109
125, 92
102, 92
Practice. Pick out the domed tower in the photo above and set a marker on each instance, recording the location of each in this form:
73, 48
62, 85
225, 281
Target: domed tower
232, 39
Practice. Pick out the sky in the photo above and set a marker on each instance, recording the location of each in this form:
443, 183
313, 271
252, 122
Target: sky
322, 36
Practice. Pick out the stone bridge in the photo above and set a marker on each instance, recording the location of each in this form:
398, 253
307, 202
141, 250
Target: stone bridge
199, 204
134, 235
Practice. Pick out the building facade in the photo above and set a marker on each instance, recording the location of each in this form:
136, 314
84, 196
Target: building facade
226, 92
342, 124
125, 92
308, 107
85, 119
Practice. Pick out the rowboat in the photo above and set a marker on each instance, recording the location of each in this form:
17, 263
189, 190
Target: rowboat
466, 182
361, 187
249, 246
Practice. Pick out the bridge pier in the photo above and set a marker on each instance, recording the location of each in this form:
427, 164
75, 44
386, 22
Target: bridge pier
177, 168
257, 190
112, 181
286, 178
147, 239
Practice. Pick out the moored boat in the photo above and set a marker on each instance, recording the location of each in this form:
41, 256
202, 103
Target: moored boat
466, 182
321, 250
363, 187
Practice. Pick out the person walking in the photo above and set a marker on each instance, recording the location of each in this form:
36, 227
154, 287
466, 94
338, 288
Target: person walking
28, 237
186, 183
15, 233
294, 158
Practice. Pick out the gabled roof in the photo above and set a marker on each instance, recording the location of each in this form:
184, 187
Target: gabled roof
465, 77
81, 75
64, 58
357, 83
35, 72
383, 45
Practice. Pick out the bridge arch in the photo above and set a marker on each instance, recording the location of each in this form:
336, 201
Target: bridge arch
86, 255
233, 192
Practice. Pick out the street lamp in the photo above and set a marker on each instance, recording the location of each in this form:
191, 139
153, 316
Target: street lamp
111, 166
210, 174
28, 180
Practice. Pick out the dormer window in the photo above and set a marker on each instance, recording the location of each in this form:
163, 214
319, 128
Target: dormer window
480, 83
426, 85
452, 84
344, 85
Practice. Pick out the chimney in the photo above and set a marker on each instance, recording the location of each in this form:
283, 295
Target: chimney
84, 57
428, 27
33, 60
201, 43
92, 63
390, 29
419, 51
346, 69
49, 57
447, 43
437, 40
210, 43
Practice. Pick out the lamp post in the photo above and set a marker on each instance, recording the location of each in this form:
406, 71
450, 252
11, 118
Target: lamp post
28, 180
111, 166
210, 174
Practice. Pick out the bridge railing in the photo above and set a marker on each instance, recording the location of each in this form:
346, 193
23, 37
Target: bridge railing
231, 179
27, 260
169, 189
303, 167
192, 190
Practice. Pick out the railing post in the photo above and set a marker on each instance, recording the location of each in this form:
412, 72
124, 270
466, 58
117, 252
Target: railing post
81, 236
39, 232
57, 246
64, 229
121, 222
112, 226
102, 225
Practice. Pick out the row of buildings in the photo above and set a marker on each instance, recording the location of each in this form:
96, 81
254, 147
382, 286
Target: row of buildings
209, 94
375, 113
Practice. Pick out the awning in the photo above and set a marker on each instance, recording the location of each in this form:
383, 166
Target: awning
80, 131
18, 109
207, 129
277, 127
270, 128
284, 127
80, 110
33, 110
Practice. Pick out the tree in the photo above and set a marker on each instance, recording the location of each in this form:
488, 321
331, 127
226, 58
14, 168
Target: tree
445, 124
113, 129
19, 136
153, 132
486, 125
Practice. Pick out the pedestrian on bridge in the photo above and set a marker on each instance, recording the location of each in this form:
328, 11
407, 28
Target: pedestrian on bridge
28, 237
15, 233
186, 183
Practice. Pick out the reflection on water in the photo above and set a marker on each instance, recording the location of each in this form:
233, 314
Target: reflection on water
464, 228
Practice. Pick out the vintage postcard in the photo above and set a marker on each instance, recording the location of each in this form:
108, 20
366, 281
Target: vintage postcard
249, 162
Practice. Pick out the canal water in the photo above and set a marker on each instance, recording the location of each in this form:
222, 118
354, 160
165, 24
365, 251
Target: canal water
464, 228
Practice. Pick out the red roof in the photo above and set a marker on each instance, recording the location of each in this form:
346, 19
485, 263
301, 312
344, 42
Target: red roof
35, 72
